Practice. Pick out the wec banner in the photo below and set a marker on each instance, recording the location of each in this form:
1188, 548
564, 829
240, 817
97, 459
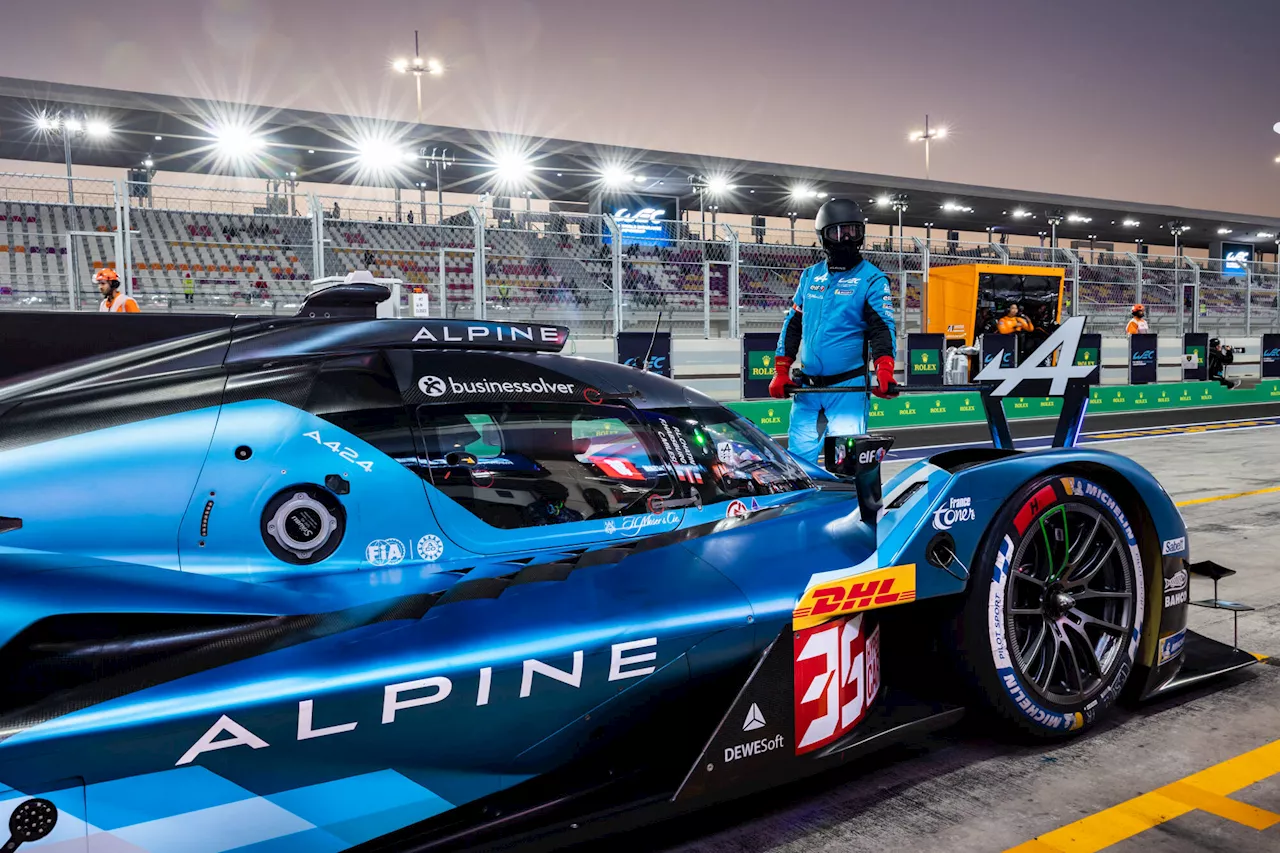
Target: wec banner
1270, 356
632, 347
994, 343
1142, 358
757, 364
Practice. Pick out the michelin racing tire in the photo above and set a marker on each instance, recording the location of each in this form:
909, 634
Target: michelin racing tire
1055, 608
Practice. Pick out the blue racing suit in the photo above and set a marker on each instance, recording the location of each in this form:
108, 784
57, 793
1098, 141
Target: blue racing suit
834, 316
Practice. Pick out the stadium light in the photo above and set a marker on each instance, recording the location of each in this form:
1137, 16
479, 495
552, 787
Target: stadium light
614, 176
1264, 235
237, 141
956, 207
511, 168
1224, 230
1131, 223
926, 136
1021, 214
418, 67
1276, 127
800, 192
718, 185
69, 125
1076, 217
883, 201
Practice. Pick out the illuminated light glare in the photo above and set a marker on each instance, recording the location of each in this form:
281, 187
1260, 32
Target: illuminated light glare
916, 135
941, 133
98, 129
401, 65
1263, 235
614, 176
1131, 223
800, 192
511, 166
1224, 230
159, 138
1276, 127
236, 140
955, 207
718, 184
434, 66
72, 124
45, 123
1076, 217
148, 162
882, 200
1021, 214
380, 154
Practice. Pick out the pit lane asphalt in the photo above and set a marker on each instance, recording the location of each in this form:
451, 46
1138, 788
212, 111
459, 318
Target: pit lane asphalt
965, 793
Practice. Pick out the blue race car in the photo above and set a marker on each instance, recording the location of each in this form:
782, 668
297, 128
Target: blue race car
337, 582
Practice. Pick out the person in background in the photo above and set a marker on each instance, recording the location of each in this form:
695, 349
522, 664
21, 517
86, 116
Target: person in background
1013, 322
189, 289
842, 310
1138, 325
337, 211
1219, 358
113, 301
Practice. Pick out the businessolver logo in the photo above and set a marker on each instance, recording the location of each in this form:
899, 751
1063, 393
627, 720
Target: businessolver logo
839, 596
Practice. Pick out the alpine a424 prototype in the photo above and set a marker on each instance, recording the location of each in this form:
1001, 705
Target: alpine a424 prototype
334, 582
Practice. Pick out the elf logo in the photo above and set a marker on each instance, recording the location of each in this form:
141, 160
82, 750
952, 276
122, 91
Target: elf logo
870, 457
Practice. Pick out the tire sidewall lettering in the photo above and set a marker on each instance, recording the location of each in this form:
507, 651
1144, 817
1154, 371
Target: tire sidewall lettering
1006, 673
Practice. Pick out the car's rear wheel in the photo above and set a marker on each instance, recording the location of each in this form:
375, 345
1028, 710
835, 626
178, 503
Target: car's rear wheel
1055, 607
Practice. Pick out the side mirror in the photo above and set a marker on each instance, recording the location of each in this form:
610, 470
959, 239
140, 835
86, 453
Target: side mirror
858, 457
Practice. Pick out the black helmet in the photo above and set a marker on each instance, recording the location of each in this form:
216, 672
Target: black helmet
840, 211
841, 227
1214, 343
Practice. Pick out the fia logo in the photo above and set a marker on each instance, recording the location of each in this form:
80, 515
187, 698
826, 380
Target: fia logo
384, 552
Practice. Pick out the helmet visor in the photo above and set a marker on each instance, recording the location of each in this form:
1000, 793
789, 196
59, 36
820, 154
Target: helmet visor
844, 232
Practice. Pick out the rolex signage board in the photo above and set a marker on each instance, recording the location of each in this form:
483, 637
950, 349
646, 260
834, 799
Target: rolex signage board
924, 358
757, 364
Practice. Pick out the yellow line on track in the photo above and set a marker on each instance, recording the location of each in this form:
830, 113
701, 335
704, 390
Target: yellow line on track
1208, 791
1213, 498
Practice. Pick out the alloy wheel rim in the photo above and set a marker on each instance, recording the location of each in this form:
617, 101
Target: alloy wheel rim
1069, 610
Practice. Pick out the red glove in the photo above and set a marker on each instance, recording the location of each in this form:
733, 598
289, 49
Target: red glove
884, 376
781, 377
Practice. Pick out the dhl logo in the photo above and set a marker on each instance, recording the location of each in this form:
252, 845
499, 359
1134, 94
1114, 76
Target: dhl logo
865, 591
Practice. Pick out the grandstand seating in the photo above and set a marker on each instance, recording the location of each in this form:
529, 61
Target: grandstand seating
534, 264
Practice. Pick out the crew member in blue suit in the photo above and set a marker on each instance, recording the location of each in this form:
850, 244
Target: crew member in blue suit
842, 309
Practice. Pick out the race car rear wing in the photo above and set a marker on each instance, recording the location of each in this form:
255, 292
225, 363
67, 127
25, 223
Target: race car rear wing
1050, 371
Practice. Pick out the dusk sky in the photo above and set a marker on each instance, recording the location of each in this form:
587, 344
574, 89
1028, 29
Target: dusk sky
1163, 101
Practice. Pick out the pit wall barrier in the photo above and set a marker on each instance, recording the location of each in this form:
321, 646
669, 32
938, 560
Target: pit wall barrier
714, 366
918, 410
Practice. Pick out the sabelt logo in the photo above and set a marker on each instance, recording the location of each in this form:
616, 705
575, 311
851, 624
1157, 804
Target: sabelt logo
865, 591
436, 386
